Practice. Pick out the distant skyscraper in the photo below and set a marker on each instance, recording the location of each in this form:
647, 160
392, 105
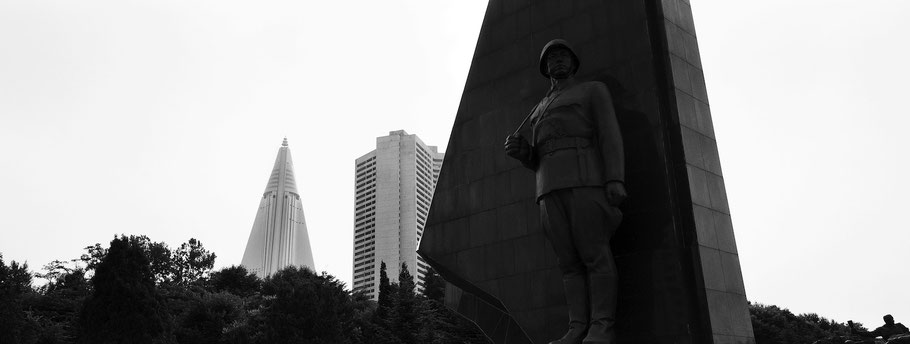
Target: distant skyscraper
279, 236
394, 186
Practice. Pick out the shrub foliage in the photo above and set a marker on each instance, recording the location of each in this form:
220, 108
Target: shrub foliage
135, 290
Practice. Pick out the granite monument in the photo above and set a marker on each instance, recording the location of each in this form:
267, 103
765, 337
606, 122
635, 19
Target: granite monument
678, 277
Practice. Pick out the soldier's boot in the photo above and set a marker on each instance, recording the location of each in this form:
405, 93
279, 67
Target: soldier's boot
603, 290
577, 302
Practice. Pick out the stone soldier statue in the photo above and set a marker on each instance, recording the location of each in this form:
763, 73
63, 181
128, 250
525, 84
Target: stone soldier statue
886, 331
576, 153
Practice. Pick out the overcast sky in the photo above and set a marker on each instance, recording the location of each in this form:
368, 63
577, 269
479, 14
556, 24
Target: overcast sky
164, 117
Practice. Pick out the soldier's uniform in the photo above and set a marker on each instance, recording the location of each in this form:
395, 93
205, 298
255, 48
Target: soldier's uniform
576, 149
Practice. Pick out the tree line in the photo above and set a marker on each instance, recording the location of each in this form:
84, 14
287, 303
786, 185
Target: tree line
136, 290
772, 324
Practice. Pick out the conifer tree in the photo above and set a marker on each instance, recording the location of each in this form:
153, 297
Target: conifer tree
434, 286
124, 306
405, 325
383, 312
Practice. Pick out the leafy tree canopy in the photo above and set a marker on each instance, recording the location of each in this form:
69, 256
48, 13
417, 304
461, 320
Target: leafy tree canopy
236, 280
771, 324
15, 286
185, 265
303, 307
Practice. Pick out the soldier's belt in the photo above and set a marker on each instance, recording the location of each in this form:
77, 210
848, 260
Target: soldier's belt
553, 145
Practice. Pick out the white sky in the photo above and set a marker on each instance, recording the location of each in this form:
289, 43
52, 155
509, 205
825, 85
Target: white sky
164, 117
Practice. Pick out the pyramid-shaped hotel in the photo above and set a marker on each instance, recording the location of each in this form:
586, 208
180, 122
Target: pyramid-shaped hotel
279, 236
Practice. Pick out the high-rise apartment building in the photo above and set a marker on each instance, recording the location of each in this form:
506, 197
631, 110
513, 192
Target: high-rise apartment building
394, 187
279, 236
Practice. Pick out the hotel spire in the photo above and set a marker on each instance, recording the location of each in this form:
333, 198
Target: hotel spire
279, 235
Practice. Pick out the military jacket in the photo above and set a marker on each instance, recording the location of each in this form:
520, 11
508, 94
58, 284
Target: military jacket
575, 139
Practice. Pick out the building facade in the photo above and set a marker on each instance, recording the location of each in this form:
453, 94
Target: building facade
279, 236
394, 187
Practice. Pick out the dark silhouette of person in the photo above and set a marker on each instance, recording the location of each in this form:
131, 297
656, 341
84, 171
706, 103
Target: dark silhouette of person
885, 331
576, 152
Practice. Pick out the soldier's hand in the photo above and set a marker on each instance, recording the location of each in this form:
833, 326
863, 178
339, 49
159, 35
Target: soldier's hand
517, 147
616, 193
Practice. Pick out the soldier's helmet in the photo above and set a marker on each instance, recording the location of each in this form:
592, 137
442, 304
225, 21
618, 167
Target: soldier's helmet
555, 44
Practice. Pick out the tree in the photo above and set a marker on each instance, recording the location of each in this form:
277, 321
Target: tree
123, 303
93, 256
187, 264
63, 275
771, 324
160, 256
366, 330
15, 285
204, 322
303, 307
439, 325
434, 286
405, 324
236, 280
387, 293
14, 278
55, 307
157, 254
191, 262
124, 306
409, 318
